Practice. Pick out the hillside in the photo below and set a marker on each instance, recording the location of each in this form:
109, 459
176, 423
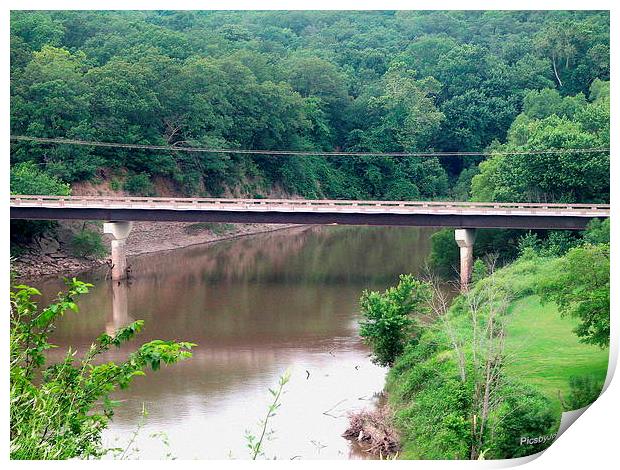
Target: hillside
351, 81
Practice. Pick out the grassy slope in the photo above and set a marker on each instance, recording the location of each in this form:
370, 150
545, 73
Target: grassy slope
542, 349
545, 352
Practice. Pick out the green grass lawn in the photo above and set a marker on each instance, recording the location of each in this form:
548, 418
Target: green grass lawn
543, 350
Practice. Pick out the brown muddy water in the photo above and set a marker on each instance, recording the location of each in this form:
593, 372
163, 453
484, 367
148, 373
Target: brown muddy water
255, 307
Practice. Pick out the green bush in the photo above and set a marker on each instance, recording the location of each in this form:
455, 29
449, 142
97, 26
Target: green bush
88, 243
583, 392
115, 185
479, 271
213, 227
523, 413
444, 257
388, 319
28, 178
529, 244
436, 421
597, 231
139, 185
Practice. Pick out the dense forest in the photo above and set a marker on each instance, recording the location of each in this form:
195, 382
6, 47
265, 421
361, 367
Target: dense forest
387, 81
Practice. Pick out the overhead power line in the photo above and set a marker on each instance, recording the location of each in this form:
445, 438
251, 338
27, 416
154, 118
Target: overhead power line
300, 153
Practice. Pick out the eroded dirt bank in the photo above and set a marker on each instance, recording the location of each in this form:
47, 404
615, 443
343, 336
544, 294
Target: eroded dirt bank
51, 255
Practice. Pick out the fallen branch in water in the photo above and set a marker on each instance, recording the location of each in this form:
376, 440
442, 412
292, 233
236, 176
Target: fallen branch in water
327, 412
374, 430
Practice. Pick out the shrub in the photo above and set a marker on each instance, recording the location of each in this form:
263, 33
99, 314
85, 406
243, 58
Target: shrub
523, 413
28, 178
213, 227
597, 231
88, 243
559, 242
387, 322
59, 411
436, 421
115, 185
140, 185
444, 257
529, 245
583, 392
479, 271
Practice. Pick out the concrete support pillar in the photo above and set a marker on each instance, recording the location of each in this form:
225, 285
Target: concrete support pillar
120, 231
465, 238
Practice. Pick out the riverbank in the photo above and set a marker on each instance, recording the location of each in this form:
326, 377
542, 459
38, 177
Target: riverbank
51, 255
432, 387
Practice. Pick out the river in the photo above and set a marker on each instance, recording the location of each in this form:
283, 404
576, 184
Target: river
255, 306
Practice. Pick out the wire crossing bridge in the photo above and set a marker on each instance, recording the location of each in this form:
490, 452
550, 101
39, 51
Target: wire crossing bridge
120, 212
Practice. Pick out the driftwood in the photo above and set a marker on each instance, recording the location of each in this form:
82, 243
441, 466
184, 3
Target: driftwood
374, 430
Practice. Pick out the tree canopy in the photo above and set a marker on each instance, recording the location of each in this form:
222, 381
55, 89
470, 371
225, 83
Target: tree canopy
379, 81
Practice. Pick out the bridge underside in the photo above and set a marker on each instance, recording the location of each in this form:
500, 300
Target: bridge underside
303, 217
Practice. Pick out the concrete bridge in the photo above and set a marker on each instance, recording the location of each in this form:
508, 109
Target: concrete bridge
120, 212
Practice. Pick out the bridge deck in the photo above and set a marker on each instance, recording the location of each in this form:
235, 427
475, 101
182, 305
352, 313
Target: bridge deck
414, 213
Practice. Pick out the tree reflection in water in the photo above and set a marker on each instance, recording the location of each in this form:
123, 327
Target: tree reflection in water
255, 306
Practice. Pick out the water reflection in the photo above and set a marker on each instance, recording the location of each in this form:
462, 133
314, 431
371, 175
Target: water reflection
119, 316
255, 306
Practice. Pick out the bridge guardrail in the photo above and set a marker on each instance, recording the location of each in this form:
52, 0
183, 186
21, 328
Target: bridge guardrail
437, 207
17, 199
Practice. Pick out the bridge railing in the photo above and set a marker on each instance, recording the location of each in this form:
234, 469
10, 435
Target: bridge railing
156, 202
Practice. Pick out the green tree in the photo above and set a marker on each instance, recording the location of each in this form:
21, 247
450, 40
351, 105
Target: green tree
36, 28
560, 176
558, 42
407, 109
580, 288
444, 256
598, 231
28, 178
140, 185
51, 99
356, 81
389, 320
313, 76
543, 103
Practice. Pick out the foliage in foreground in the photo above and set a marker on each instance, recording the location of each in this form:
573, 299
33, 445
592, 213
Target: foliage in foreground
58, 411
255, 443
